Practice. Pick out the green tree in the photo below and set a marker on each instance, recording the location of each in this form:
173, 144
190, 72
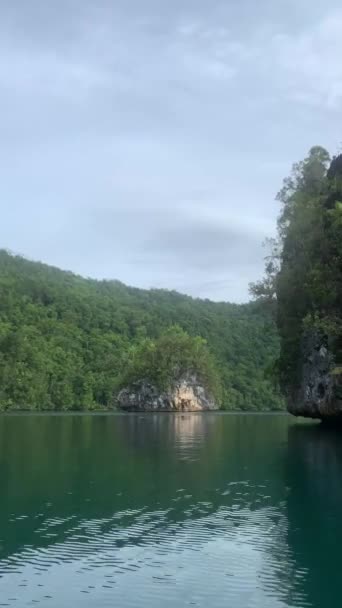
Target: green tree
65, 341
169, 357
308, 280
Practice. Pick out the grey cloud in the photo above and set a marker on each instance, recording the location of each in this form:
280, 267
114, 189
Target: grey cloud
202, 246
145, 140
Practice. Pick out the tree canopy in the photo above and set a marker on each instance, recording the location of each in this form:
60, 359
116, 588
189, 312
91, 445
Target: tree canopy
305, 276
169, 357
66, 342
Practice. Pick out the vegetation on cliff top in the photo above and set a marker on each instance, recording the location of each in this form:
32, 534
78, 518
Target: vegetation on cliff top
303, 279
169, 357
67, 342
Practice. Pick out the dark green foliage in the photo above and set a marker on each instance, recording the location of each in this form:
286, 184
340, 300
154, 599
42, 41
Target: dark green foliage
66, 342
308, 282
170, 356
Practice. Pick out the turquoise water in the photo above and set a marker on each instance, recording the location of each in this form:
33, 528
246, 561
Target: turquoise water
206, 510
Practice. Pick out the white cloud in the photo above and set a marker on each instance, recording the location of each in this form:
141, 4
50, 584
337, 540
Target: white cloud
307, 64
134, 124
47, 73
301, 64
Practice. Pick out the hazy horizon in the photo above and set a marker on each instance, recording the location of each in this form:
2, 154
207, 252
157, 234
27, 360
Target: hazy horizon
145, 141
114, 280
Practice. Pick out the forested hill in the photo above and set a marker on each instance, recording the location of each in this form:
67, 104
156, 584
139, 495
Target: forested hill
65, 341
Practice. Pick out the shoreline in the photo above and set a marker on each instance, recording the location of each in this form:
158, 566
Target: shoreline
147, 414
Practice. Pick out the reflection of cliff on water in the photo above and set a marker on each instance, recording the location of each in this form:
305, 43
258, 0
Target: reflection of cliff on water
134, 476
314, 506
260, 497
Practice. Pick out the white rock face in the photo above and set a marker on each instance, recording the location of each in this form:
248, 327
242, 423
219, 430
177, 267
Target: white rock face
184, 395
188, 397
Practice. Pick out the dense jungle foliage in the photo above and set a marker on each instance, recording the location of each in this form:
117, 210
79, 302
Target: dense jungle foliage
171, 356
303, 281
70, 343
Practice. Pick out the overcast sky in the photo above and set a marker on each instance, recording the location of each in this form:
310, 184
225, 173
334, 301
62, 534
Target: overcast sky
145, 140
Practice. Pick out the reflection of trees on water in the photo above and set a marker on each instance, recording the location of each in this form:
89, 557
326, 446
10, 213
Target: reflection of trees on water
314, 506
145, 477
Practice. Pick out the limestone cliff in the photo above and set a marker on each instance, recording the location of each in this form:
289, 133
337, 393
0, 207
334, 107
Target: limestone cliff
186, 394
319, 394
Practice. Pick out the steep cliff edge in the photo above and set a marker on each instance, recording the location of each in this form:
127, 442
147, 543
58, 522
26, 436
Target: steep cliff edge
303, 286
184, 395
319, 394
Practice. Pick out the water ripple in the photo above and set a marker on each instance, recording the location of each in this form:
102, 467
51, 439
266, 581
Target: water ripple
173, 512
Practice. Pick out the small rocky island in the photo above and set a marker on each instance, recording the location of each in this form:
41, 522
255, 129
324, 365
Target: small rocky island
184, 395
175, 372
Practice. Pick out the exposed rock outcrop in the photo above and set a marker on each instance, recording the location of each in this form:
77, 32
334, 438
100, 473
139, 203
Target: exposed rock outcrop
184, 395
320, 392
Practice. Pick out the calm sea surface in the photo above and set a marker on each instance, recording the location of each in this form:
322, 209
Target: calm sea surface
154, 511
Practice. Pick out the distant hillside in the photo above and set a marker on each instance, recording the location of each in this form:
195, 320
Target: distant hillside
65, 341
